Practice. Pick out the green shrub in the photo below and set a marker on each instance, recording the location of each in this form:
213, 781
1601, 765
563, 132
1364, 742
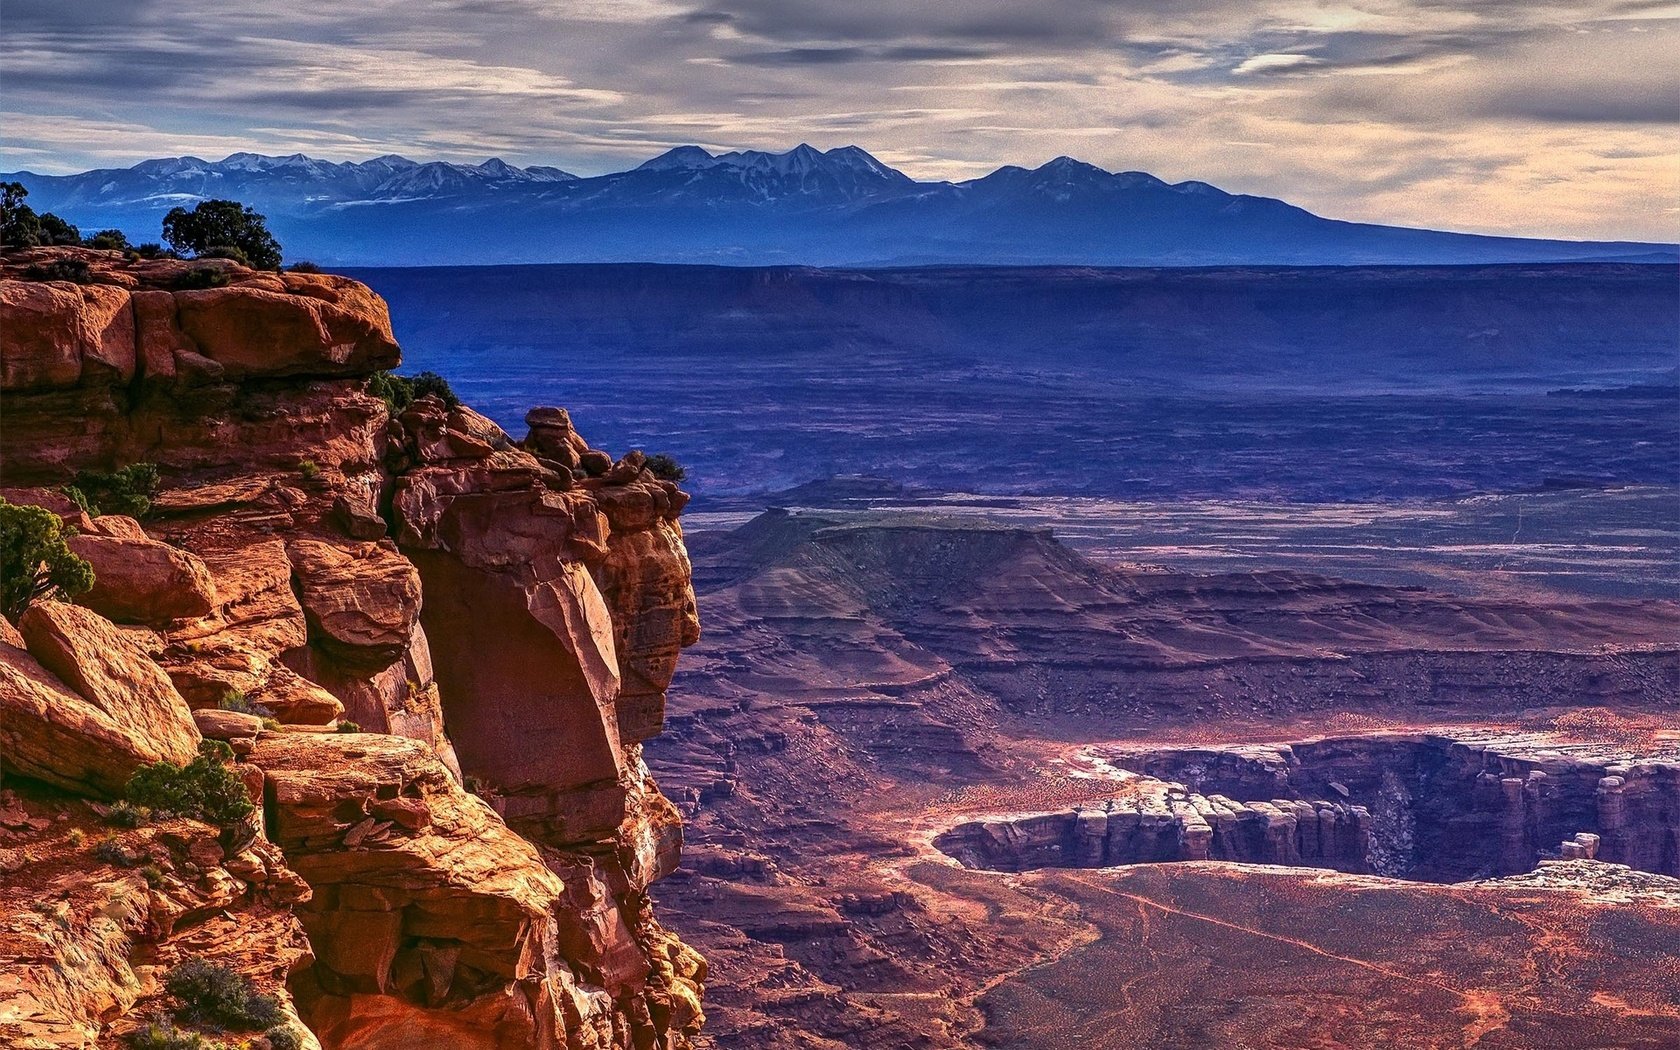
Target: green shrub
165, 1036
153, 875
110, 851
55, 230
398, 392
154, 250
283, 1037
226, 251
204, 788
309, 470
220, 225
211, 994
666, 468
109, 239
201, 277
347, 726
125, 814
237, 702
35, 562
73, 270
303, 267
127, 491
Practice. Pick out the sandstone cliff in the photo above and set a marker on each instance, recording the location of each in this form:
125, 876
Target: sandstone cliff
489, 624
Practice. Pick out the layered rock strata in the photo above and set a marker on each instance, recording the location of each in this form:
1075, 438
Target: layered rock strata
487, 613
1169, 824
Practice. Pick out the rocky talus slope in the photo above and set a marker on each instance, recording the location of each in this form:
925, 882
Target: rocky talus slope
488, 624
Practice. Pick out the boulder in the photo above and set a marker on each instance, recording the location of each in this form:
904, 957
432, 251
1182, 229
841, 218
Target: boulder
140, 580
84, 706
252, 332
361, 600
55, 335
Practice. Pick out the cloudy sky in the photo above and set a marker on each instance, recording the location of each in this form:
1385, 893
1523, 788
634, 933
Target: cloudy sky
1497, 116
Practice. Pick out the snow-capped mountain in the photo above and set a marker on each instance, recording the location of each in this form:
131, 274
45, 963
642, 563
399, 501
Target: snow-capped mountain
826, 207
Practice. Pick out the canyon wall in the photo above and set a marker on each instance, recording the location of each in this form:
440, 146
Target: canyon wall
1435, 807
455, 644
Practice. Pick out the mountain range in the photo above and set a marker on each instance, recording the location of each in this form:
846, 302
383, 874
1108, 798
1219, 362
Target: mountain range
836, 207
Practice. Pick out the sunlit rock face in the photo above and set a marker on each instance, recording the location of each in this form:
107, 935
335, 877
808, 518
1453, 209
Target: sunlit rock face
489, 627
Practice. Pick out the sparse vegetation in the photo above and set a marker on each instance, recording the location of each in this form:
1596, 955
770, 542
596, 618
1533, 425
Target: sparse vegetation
75, 271
212, 994
347, 726
77, 836
153, 250
398, 392
226, 252
238, 703
35, 562
665, 468
219, 226
205, 788
127, 491
110, 851
114, 240
162, 1035
283, 1037
153, 875
125, 814
201, 277
309, 470
303, 266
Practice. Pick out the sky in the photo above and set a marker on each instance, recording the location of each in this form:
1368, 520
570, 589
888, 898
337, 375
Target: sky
1492, 116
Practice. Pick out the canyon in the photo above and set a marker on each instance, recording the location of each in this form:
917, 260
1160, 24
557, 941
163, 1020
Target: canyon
432, 652
959, 760
949, 783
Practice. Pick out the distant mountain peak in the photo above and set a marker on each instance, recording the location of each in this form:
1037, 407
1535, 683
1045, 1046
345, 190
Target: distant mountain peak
752, 207
850, 162
678, 158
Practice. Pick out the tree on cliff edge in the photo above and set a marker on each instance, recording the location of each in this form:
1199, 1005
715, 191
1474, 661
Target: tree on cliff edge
21, 227
216, 226
35, 562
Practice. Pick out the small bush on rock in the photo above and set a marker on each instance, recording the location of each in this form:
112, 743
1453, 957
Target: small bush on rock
666, 468
125, 814
35, 562
398, 392
165, 1036
201, 277
225, 252
238, 703
205, 788
127, 491
73, 270
212, 994
110, 851
283, 1038
303, 266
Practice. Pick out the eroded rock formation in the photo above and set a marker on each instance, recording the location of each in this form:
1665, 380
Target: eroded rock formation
488, 613
1438, 806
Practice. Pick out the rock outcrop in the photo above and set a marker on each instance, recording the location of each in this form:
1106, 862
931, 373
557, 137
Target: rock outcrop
1438, 807
82, 706
1165, 822
487, 613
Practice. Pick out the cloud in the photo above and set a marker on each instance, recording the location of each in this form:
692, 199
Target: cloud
1275, 64
1520, 116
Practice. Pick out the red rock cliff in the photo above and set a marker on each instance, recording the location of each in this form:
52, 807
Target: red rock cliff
490, 613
